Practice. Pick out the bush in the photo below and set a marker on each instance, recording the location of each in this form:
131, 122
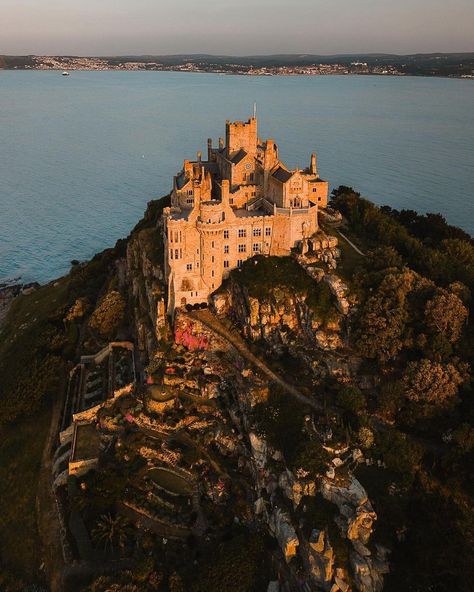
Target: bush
108, 315
351, 399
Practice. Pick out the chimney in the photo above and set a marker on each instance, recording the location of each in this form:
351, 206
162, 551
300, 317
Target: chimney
225, 188
199, 156
209, 149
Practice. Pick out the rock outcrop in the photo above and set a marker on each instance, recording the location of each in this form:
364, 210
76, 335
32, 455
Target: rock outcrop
285, 318
147, 290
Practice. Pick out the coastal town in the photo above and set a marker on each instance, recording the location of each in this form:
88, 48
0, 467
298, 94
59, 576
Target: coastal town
98, 63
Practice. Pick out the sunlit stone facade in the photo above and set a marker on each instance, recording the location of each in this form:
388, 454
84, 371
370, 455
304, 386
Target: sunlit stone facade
240, 202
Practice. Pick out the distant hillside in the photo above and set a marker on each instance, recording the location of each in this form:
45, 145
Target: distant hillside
433, 64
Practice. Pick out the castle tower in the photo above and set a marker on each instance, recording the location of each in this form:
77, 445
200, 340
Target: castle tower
313, 169
241, 135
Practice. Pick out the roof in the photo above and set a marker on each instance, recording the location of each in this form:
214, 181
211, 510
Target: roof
282, 175
181, 180
236, 157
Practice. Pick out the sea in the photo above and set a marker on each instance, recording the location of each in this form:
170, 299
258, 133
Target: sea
80, 156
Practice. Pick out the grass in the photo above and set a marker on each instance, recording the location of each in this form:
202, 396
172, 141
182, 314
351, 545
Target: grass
350, 259
261, 275
31, 344
191, 399
160, 393
21, 448
170, 481
87, 442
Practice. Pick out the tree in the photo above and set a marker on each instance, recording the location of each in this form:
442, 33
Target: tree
383, 258
109, 314
382, 320
111, 532
351, 399
433, 383
391, 397
446, 314
399, 451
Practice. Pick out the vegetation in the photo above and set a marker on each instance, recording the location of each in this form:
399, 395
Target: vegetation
108, 315
263, 276
412, 330
238, 565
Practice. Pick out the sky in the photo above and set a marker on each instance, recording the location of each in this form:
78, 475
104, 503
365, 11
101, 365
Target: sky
234, 27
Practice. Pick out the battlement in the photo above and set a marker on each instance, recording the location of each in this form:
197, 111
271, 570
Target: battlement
241, 135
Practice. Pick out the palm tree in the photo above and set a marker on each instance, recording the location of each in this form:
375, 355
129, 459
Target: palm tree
111, 531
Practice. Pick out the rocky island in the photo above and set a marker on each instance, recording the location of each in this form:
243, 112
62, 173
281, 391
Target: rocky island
260, 389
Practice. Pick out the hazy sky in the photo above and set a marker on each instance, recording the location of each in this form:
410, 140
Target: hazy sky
98, 27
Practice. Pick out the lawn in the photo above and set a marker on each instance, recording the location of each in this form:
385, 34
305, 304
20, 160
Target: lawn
21, 448
170, 481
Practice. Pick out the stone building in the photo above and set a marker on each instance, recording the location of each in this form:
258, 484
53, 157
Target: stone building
240, 202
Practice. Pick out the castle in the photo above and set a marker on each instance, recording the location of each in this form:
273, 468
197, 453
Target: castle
240, 202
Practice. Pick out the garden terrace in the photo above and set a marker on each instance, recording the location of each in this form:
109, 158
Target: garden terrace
170, 481
86, 442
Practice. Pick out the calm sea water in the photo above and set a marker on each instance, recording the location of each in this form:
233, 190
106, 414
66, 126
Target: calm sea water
81, 156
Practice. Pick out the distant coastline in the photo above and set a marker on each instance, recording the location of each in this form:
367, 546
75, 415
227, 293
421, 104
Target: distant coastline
432, 65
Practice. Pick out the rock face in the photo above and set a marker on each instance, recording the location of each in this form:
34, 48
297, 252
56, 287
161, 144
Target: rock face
340, 291
283, 319
282, 528
356, 521
146, 284
320, 558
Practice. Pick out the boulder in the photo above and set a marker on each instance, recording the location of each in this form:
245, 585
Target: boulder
282, 529
259, 450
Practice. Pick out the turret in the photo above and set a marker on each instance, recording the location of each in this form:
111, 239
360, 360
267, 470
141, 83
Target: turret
313, 169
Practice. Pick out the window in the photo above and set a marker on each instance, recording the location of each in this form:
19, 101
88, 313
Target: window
212, 259
231, 200
252, 177
197, 264
189, 266
315, 189
256, 247
226, 234
213, 244
190, 191
171, 253
268, 231
239, 262
257, 232
319, 199
190, 201
226, 264
242, 248
212, 273
176, 254
242, 233
226, 249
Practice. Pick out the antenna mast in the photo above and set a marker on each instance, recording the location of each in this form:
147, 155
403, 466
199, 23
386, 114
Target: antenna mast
255, 110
